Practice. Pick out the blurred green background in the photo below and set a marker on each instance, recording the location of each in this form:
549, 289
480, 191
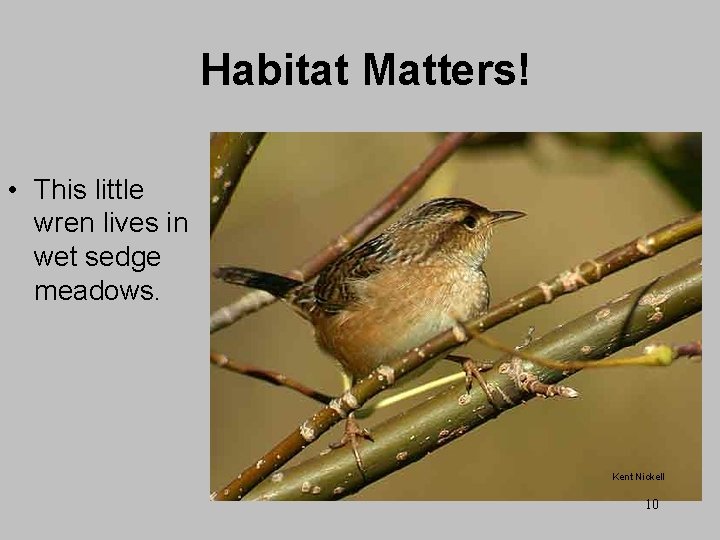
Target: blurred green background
584, 194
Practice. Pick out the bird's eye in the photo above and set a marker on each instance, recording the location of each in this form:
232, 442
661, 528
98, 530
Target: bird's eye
469, 222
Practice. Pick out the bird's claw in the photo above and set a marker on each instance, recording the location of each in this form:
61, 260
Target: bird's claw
353, 432
473, 370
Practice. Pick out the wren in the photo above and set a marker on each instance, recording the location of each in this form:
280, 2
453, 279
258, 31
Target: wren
419, 277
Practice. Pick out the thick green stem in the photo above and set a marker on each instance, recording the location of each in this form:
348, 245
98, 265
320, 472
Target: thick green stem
412, 435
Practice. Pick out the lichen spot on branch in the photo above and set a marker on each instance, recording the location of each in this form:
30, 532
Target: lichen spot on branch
653, 299
387, 373
307, 432
350, 400
547, 291
572, 280
459, 333
646, 245
336, 405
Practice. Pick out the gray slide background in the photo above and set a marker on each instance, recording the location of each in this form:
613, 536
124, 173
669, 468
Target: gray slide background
104, 406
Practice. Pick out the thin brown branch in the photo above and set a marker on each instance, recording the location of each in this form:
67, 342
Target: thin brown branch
267, 375
691, 349
256, 300
385, 375
530, 383
230, 154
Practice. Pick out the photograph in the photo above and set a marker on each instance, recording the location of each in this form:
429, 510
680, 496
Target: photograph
456, 316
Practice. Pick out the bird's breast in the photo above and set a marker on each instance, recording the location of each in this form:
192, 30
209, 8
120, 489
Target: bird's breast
399, 310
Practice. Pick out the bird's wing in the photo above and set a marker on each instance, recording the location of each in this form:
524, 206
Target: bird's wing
335, 287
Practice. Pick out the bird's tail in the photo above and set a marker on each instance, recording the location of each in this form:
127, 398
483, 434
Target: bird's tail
275, 284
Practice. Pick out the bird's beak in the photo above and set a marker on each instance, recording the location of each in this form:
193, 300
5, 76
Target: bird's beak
505, 215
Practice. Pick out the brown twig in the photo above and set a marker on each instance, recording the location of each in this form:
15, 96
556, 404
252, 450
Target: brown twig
691, 349
230, 153
256, 300
385, 375
273, 377
530, 383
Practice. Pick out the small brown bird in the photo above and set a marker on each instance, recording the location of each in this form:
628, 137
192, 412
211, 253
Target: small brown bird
419, 277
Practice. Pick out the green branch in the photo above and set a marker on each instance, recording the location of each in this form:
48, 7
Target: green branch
412, 435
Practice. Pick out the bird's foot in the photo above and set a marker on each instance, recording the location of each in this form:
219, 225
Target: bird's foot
353, 432
473, 370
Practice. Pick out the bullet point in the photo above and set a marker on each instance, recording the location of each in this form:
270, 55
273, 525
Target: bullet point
12, 189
